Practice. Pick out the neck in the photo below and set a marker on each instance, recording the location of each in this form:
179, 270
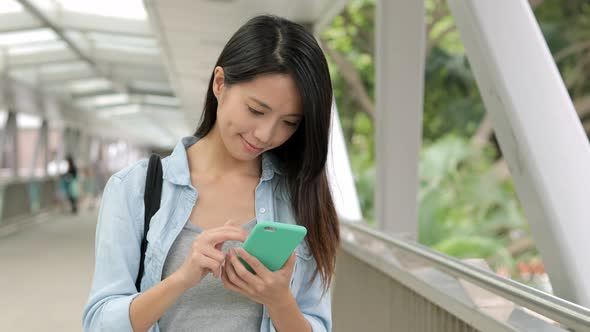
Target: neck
210, 157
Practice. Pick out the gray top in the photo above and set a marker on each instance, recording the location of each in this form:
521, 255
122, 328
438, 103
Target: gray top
208, 306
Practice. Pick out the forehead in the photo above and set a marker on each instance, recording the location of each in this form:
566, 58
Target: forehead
278, 91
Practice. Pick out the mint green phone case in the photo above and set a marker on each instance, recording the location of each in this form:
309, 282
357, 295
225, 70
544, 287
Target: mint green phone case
272, 243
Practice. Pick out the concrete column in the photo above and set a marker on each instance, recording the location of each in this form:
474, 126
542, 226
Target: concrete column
399, 68
12, 140
40, 147
46, 156
539, 132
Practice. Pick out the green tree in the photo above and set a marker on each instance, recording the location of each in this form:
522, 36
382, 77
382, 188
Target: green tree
468, 206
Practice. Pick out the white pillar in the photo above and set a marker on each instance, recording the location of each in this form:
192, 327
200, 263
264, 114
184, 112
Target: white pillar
399, 68
539, 132
340, 176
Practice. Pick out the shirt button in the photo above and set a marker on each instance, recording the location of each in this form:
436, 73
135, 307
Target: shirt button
262, 210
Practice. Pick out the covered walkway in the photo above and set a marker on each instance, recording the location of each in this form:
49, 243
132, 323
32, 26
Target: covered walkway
111, 90
47, 266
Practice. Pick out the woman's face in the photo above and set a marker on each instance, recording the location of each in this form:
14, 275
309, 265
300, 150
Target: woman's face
256, 116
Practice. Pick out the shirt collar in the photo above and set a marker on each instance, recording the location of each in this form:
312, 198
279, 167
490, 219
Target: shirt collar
176, 169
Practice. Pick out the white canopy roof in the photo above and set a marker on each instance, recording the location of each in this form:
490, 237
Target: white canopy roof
102, 58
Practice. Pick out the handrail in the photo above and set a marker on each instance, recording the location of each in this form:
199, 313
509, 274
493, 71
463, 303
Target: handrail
569, 314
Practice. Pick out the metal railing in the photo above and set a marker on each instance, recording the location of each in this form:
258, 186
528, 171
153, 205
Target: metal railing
566, 313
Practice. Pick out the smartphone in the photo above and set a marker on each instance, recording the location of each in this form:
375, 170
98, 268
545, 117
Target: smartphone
272, 243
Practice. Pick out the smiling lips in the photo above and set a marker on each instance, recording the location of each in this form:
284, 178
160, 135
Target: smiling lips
250, 147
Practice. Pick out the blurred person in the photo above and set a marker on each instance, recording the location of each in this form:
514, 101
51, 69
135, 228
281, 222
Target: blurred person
259, 153
71, 184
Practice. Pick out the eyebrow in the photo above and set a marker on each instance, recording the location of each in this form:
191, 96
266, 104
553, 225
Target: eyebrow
261, 103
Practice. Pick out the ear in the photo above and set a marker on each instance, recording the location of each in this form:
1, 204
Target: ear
218, 81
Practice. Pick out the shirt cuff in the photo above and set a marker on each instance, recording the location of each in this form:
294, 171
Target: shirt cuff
117, 313
316, 324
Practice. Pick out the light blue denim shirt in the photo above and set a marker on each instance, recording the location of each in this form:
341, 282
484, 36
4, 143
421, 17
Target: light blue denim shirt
120, 228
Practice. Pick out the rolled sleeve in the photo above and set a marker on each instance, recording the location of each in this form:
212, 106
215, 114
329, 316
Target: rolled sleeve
317, 325
117, 250
314, 303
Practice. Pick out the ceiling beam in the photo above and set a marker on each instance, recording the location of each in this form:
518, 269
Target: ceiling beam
142, 104
37, 13
115, 57
132, 91
16, 22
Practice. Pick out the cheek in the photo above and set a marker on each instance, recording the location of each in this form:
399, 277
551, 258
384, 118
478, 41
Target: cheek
229, 119
284, 136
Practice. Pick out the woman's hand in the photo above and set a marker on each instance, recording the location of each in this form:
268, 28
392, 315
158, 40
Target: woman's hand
265, 287
205, 255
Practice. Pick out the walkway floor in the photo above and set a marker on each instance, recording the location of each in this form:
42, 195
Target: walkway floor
46, 270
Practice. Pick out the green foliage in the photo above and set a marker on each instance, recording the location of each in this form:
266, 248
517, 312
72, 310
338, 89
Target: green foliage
463, 205
566, 24
465, 210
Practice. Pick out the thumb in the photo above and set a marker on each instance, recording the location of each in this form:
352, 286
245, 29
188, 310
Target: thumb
290, 263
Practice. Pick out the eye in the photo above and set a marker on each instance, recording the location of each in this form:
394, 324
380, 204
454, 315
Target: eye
253, 111
291, 124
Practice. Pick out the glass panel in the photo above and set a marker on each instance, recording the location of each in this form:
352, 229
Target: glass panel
83, 86
46, 5
28, 134
79, 38
127, 48
107, 38
57, 165
118, 111
24, 75
132, 9
162, 100
28, 121
38, 47
5, 171
3, 116
63, 67
10, 6
27, 37
104, 100
151, 86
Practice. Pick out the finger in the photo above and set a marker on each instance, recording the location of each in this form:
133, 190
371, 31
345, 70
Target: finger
292, 259
234, 277
239, 235
290, 263
211, 264
228, 283
221, 230
213, 253
254, 263
226, 228
243, 272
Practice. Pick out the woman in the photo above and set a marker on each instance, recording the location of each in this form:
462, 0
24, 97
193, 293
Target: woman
70, 180
258, 155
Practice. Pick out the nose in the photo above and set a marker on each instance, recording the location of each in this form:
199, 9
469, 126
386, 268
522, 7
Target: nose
264, 133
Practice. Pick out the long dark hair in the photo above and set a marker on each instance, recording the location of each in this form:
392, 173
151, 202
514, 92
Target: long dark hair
269, 44
72, 169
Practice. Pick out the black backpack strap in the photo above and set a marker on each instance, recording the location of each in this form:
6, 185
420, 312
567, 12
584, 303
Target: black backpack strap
151, 199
